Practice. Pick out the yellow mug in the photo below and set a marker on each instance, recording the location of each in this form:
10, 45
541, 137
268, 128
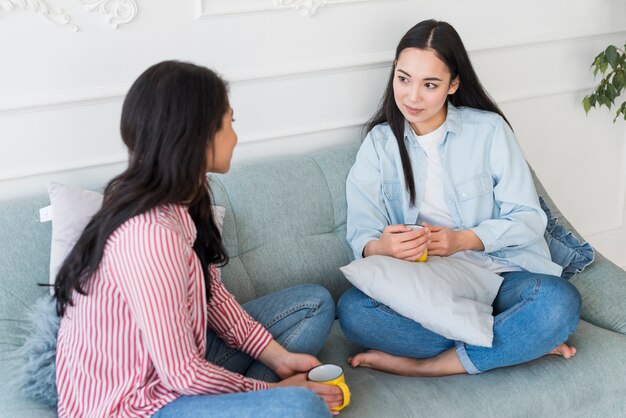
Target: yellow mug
424, 255
331, 374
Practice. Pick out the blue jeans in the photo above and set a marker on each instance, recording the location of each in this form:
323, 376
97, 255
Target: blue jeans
300, 319
534, 313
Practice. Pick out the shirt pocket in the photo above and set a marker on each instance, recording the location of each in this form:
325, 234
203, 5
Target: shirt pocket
474, 187
392, 191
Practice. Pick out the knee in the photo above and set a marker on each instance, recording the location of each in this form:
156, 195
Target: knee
302, 402
320, 297
347, 302
564, 301
350, 310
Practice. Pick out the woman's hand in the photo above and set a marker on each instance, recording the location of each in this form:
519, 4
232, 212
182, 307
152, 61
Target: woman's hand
294, 363
445, 241
332, 395
399, 241
284, 363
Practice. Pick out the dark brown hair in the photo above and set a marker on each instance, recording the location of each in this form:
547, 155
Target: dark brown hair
169, 119
445, 42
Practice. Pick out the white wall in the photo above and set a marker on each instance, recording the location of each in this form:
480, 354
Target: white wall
302, 83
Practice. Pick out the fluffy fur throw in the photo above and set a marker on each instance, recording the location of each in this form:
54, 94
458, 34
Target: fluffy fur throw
35, 360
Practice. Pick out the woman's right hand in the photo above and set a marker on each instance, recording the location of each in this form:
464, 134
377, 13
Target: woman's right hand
401, 242
332, 395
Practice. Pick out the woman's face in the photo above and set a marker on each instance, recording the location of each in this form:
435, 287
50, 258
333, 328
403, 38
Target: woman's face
219, 155
421, 85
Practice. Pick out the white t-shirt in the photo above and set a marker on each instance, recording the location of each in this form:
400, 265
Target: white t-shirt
434, 210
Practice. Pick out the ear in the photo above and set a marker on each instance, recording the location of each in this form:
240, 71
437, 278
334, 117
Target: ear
454, 85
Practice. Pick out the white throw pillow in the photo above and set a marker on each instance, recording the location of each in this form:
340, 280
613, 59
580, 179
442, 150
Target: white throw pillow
447, 296
71, 210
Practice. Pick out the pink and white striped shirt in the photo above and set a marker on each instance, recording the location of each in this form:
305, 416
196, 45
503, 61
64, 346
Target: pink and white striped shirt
138, 339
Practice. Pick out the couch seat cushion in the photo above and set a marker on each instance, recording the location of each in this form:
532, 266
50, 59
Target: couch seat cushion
593, 383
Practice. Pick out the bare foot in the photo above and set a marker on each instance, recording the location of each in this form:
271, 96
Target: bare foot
564, 350
446, 363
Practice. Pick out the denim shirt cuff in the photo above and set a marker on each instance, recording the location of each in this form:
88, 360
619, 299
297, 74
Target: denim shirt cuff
489, 241
358, 245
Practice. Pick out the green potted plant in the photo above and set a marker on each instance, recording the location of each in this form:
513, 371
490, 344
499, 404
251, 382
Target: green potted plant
611, 64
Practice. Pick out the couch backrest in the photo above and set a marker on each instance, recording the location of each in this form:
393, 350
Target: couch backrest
24, 262
285, 223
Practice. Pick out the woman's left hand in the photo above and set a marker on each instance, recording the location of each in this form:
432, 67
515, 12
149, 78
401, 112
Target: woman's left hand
445, 241
284, 363
294, 363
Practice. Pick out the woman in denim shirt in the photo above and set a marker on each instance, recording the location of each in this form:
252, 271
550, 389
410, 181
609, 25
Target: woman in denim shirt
440, 153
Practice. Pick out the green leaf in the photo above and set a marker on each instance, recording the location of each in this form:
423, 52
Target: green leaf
612, 83
611, 93
599, 63
612, 56
604, 101
600, 100
622, 110
619, 80
586, 104
604, 66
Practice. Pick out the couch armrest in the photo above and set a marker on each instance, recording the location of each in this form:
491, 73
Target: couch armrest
602, 286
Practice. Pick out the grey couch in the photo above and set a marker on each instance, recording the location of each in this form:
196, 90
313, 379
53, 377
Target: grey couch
284, 225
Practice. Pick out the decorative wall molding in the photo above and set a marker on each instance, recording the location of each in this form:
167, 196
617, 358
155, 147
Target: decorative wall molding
92, 96
58, 17
264, 136
121, 158
307, 7
62, 100
59, 168
119, 12
212, 8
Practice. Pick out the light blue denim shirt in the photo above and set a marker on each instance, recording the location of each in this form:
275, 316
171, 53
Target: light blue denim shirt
488, 188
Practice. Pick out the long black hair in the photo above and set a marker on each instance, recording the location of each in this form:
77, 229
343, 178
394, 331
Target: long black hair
169, 120
445, 42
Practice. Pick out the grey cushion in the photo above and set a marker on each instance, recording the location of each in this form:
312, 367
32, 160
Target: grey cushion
592, 384
24, 262
602, 285
285, 223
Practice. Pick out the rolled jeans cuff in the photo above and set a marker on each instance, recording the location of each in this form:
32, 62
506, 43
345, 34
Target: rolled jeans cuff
465, 360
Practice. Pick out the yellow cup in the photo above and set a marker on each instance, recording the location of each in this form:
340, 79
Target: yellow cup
424, 255
331, 374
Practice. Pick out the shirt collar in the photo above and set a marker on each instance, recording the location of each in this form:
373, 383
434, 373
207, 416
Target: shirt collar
183, 221
453, 120
453, 123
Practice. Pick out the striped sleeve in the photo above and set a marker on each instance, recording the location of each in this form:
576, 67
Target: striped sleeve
232, 323
153, 266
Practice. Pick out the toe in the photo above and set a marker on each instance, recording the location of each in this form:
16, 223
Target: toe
355, 360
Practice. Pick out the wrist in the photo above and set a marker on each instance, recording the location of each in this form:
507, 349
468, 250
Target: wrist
470, 241
371, 248
273, 355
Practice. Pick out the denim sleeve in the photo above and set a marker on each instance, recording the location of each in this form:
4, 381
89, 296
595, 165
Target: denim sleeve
565, 248
366, 214
521, 220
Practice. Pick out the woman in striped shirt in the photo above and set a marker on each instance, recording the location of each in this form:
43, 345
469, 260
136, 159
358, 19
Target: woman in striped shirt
147, 326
